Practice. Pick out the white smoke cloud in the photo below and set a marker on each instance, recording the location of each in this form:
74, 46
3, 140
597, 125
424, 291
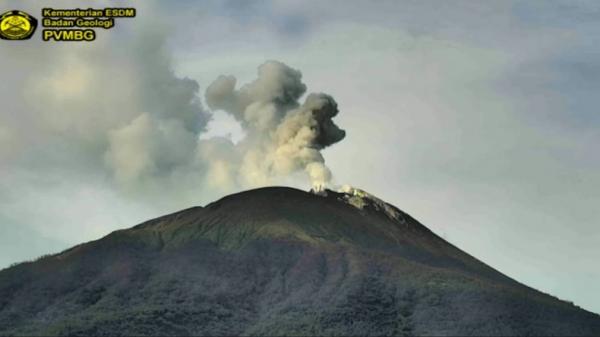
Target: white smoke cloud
282, 135
147, 146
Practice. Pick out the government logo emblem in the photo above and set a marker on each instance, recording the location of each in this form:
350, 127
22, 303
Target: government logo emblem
17, 25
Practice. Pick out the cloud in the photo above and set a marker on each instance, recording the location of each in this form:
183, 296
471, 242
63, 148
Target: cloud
147, 147
282, 135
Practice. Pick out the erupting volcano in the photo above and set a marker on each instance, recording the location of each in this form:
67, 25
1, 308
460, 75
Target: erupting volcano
277, 261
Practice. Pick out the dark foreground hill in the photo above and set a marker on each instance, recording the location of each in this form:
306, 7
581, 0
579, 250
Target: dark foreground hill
277, 261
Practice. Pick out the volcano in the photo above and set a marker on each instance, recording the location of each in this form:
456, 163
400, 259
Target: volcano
277, 261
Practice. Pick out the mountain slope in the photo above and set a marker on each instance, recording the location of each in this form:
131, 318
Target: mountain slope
277, 261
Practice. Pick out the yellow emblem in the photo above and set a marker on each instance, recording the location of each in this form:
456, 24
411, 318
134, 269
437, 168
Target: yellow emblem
17, 25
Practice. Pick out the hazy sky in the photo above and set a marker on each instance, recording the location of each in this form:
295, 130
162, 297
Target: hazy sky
479, 118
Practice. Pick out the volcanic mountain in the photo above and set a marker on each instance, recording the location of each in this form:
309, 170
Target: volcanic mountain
277, 261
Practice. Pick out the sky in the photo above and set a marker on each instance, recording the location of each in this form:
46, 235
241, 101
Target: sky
478, 118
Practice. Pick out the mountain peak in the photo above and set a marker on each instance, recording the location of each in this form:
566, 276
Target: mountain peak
289, 213
362, 199
277, 261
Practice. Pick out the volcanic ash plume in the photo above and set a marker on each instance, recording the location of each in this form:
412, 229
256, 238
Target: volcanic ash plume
282, 135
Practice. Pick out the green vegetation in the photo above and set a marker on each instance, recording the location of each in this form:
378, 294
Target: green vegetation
275, 262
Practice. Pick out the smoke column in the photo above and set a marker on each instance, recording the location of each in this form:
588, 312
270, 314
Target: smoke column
283, 136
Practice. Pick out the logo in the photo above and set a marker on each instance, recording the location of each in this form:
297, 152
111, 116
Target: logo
17, 25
